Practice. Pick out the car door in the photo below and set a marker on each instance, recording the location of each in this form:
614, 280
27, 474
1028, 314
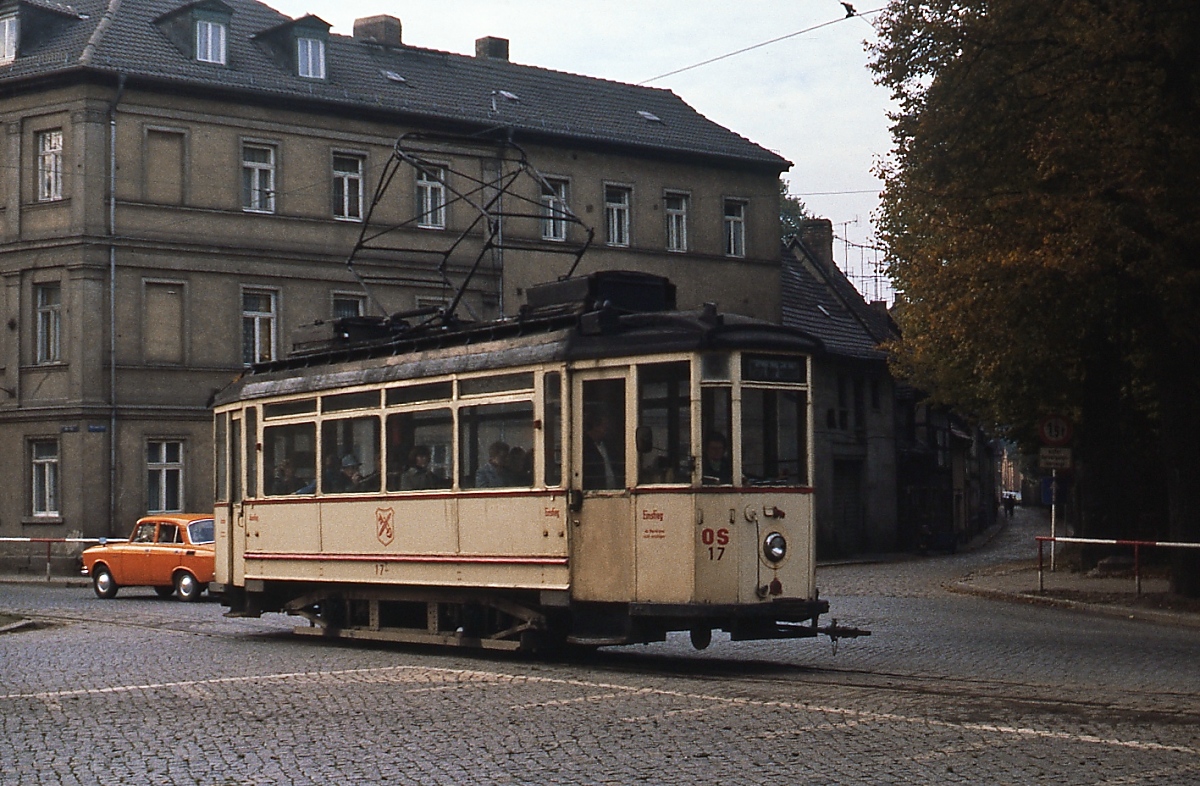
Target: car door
165, 555
133, 567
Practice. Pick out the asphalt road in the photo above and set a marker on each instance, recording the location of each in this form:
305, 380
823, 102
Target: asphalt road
948, 689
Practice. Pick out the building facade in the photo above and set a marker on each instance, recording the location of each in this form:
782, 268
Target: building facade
184, 182
854, 436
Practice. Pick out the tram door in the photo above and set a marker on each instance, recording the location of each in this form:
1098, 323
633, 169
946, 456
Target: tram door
602, 564
227, 437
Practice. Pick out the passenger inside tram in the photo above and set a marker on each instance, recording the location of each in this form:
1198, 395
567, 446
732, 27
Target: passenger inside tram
495, 473
419, 475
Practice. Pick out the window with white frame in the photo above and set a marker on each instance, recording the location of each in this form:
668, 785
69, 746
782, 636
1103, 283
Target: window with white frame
44, 471
50, 165
210, 41
554, 209
310, 56
164, 476
675, 207
348, 187
258, 178
616, 214
258, 326
48, 322
346, 305
431, 198
8, 39
735, 228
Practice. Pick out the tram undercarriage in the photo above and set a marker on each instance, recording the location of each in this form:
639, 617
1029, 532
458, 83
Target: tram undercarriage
527, 621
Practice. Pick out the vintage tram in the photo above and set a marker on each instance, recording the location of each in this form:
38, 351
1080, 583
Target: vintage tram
601, 469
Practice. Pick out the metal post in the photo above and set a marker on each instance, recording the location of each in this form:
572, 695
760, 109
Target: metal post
1137, 568
1053, 515
48, 544
1041, 576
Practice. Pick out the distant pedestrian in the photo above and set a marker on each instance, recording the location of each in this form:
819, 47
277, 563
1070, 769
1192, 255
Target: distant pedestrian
1010, 503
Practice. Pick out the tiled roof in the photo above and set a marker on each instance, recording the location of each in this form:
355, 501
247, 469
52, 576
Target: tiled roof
815, 301
120, 36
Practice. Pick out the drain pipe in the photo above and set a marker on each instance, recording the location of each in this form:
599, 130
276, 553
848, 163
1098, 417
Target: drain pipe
112, 304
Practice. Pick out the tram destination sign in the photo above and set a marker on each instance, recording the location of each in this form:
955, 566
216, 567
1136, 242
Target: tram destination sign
772, 368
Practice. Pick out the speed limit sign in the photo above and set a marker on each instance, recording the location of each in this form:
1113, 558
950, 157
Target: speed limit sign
1054, 430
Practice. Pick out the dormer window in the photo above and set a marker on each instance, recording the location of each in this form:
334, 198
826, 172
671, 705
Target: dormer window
210, 41
310, 58
8, 39
298, 46
199, 30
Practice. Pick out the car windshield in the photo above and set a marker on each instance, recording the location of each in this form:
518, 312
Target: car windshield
201, 531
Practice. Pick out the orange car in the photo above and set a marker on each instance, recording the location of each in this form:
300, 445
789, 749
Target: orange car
172, 552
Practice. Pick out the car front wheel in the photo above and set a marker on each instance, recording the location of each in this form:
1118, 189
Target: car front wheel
187, 588
103, 583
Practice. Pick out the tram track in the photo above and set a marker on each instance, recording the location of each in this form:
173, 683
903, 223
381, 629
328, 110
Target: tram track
978, 696
968, 698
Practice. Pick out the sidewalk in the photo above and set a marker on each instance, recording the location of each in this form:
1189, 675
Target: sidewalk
1105, 595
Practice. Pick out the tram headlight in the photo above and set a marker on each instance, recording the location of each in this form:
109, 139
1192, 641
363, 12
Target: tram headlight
775, 547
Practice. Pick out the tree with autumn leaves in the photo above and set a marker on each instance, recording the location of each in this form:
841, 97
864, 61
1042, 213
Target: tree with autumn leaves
1042, 219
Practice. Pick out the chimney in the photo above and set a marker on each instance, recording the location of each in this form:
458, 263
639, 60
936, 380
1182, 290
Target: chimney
491, 48
378, 30
817, 234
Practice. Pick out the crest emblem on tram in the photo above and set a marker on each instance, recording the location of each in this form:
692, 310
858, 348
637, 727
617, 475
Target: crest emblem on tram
385, 525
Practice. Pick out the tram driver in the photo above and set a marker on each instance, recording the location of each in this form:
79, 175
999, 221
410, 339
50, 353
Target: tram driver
603, 466
718, 470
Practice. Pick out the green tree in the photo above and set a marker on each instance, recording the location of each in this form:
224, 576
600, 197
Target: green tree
1042, 215
792, 213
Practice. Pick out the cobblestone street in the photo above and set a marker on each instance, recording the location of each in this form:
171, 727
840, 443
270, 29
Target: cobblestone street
948, 689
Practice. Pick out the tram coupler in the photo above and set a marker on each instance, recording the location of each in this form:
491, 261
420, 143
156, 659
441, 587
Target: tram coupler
835, 631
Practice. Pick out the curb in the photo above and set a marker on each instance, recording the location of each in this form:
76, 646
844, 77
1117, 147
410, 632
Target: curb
967, 587
14, 626
58, 581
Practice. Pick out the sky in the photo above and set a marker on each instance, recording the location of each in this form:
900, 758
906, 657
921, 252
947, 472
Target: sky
809, 97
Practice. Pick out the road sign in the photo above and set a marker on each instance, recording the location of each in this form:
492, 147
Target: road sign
1055, 431
1054, 458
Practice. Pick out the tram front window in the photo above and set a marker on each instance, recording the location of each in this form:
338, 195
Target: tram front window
716, 421
773, 437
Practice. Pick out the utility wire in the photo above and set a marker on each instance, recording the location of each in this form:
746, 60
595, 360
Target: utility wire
850, 13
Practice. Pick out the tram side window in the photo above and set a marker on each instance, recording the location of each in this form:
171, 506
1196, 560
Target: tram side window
251, 452
420, 450
552, 433
350, 455
664, 408
496, 441
716, 422
774, 423
290, 455
220, 457
235, 460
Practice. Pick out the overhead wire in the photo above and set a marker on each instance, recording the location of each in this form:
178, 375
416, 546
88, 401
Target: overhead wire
850, 14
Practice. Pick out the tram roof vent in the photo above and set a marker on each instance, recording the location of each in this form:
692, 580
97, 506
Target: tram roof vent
624, 290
